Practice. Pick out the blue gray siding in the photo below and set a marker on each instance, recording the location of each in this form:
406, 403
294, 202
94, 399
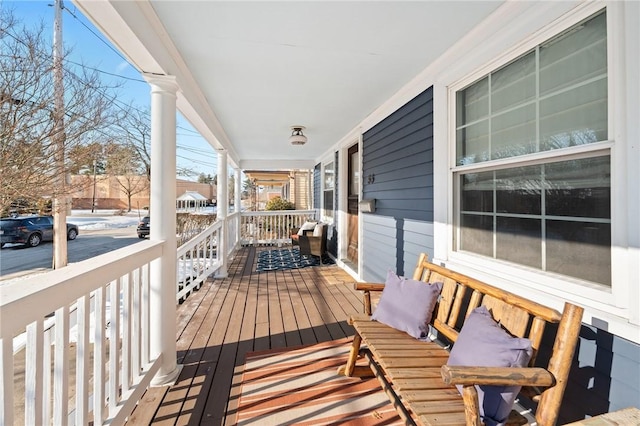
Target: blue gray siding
397, 170
605, 376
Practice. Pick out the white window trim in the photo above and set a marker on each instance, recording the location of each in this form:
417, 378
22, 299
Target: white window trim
616, 308
323, 217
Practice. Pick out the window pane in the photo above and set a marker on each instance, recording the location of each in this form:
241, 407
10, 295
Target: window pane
473, 102
328, 176
519, 190
580, 249
579, 188
514, 133
476, 234
552, 97
575, 117
514, 84
574, 56
518, 240
477, 192
473, 143
328, 203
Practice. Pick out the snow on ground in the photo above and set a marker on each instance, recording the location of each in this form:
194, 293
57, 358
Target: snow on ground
105, 219
109, 219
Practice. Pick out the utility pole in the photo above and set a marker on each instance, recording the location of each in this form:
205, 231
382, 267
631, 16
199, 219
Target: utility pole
58, 142
93, 201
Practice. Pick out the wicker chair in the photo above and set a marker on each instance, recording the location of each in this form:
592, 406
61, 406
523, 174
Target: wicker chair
310, 244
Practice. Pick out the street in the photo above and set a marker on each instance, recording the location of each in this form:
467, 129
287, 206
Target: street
21, 260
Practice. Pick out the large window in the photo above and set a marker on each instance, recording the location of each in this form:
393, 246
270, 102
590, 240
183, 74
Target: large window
528, 191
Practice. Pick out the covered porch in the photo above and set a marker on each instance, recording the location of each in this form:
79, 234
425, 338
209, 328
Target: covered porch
396, 104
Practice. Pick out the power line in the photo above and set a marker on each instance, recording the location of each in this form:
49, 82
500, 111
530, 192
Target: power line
97, 36
138, 80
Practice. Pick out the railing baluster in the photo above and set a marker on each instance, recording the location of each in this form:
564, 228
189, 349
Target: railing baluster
82, 361
114, 350
126, 333
99, 355
6, 380
135, 322
46, 375
145, 314
33, 374
61, 368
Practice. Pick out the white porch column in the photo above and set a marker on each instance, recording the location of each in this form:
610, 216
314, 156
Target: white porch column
237, 199
162, 211
222, 204
237, 205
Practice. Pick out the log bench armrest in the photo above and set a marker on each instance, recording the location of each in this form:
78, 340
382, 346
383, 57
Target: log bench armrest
369, 286
366, 289
496, 376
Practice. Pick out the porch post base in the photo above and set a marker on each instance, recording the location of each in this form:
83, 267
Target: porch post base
221, 274
166, 379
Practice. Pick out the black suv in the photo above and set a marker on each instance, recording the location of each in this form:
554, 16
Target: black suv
143, 227
30, 230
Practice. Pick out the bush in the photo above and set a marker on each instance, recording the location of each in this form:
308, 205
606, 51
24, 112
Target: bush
189, 225
278, 203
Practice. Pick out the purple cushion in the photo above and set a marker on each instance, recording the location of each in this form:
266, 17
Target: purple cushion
407, 305
483, 343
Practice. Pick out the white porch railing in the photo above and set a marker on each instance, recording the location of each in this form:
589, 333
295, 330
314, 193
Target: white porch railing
93, 316
197, 259
272, 227
100, 328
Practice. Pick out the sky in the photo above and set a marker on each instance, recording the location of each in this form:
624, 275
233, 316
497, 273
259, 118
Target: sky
89, 47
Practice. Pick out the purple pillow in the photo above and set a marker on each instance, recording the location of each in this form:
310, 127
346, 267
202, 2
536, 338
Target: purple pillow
483, 343
407, 305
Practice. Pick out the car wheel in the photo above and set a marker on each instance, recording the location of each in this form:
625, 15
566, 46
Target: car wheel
72, 234
34, 240
141, 236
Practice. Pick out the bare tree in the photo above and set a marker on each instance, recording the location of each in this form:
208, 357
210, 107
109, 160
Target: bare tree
27, 126
135, 131
128, 171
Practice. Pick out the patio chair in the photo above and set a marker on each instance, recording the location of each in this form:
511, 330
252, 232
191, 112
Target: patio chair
311, 241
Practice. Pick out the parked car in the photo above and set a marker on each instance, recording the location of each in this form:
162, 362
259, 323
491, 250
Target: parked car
143, 227
30, 230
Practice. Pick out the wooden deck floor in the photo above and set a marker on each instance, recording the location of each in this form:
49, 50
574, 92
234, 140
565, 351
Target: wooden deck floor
248, 311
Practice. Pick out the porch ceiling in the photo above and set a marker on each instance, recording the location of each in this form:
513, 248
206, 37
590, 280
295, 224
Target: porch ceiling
249, 70
267, 178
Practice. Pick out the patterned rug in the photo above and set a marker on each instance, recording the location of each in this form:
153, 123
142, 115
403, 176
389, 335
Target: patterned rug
301, 387
274, 260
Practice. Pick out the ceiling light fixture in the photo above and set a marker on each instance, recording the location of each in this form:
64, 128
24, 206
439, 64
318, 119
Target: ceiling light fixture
297, 137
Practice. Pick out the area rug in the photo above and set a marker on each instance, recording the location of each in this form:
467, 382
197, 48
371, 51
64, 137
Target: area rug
301, 387
290, 258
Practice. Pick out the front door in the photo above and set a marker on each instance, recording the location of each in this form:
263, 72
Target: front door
352, 204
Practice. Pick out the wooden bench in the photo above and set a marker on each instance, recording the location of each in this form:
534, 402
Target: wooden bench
415, 375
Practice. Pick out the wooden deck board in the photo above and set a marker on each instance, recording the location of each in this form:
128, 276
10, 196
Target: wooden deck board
247, 311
